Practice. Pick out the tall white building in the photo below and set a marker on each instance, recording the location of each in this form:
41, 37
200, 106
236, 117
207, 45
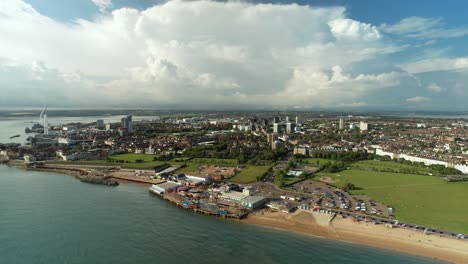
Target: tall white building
363, 126
341, 126
43, 120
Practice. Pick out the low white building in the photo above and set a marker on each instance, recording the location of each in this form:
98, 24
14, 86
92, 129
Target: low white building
233, 196
197, 178
462, 167
295, 173
253, 202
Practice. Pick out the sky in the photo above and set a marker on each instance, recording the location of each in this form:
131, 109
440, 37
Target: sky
334, 55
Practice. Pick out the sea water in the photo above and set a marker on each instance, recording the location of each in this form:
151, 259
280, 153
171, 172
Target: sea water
53, 218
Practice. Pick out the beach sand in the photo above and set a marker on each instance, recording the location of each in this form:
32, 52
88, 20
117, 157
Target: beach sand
398, 239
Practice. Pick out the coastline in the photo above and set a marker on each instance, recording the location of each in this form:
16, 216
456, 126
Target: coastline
376, 236
77, 171
345, 230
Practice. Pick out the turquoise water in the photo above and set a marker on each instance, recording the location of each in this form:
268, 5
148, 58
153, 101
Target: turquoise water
52, 218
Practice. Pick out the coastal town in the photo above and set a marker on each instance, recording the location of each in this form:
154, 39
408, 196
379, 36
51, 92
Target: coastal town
251, 165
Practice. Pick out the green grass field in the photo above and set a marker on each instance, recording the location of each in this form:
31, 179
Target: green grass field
189, 168
423, 200
249, 174
389, 166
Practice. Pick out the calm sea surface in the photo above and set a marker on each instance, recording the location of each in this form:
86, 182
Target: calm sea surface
53, 218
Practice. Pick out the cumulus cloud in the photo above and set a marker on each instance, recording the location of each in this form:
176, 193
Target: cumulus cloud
175, 54
418, 99
353, 30
335, 87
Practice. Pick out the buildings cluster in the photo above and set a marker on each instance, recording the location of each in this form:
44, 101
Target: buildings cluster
237, 135
203, 195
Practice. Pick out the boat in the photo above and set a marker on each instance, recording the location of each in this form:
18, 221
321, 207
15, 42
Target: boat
15, 136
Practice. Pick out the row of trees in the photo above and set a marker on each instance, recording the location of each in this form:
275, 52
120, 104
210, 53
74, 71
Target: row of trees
251, 155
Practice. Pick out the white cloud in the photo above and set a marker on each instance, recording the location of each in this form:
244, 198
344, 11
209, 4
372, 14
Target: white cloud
418, 99
434, 87
103, 5
353, 30
426, 28
436, 64
334, 87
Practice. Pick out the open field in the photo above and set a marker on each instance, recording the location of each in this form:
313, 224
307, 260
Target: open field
191, 167
423, 200
389, 166
374, 179
249, 174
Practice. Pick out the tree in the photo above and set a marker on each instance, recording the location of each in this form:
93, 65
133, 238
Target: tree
279, 178
349, 187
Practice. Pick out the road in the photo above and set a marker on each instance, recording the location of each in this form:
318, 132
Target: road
279, 165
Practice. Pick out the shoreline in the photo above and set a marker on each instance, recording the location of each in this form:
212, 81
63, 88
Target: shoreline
322, 226
374, 236
77, 171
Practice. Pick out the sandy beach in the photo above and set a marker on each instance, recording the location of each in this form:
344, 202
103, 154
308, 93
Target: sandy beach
398, 239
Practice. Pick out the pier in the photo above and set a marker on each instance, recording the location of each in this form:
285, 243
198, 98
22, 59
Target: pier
172, 199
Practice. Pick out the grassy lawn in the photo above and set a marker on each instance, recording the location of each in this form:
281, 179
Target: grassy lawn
191, 167
423, 200
249, 174
389, 166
